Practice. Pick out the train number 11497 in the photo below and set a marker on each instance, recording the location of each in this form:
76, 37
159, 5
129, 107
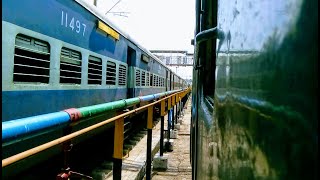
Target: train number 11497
72, 23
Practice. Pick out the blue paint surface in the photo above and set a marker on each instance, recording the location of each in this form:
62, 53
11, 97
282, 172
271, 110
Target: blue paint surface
20, 104
14, 128
49, 17
170, 119
17, 127
146, 91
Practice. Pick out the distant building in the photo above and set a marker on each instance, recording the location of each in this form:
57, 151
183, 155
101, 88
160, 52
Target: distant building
180, 62
174, 57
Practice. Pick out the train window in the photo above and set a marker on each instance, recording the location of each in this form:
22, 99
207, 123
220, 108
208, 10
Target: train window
145, 58
94, 70
154, 80
158, 81
143, 78
147, 79
138, 77
31, 60
151, 79
111, 73
122, 75
70, 66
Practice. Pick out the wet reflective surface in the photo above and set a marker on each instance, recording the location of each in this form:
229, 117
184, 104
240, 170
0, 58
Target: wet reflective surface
264, 119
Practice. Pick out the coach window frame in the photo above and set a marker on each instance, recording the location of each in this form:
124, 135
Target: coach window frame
96, 59
111, 73
34, 51
70, 60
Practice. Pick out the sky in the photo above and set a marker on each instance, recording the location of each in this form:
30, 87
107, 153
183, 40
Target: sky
154, 24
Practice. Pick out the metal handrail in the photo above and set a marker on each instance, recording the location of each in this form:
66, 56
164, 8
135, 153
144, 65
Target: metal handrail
18, 127
204, 36
35, 150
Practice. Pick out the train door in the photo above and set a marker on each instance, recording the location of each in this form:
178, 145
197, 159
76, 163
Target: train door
131, 58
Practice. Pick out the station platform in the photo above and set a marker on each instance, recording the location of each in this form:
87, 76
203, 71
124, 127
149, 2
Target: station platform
179, 167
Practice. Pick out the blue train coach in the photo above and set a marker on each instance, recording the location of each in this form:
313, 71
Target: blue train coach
61, 54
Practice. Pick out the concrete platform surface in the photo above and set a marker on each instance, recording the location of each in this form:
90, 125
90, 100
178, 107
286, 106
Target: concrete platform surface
179, 167
134, 165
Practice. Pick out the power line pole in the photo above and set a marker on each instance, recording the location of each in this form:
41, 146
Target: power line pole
122, 13
113, 6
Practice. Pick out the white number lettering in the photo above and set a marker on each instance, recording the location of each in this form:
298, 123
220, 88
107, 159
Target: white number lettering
66, 20
74, 24
78, 26
71, 25
61, 18
84, 29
